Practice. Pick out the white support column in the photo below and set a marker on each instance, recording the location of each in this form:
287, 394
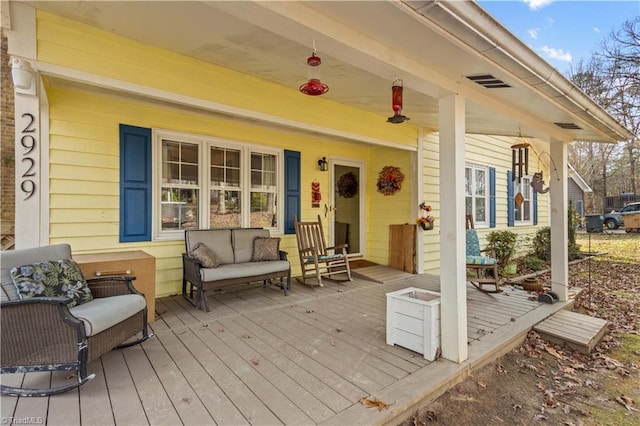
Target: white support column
27, 155
419, 197
559, 222
21, 40
453, 277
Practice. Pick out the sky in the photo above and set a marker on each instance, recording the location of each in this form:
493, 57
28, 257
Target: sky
562, 31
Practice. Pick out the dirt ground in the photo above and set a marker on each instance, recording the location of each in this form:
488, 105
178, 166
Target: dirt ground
545, 383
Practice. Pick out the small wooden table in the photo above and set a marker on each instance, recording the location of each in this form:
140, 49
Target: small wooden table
122, 263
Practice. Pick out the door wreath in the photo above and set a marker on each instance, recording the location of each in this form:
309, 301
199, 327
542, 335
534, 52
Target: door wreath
347, 185
390, 180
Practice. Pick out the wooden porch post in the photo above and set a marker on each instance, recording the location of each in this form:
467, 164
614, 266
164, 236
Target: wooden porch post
559, 222
453, 305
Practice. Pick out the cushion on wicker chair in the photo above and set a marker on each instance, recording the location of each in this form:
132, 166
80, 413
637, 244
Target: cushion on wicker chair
54, 278
103, 313
480, 260
204, 255
265, 249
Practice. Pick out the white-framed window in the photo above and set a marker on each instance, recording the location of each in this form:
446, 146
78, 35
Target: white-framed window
204, 182
523, 201
476, 191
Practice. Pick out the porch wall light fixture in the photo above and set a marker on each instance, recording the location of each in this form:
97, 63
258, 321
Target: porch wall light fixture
314, 87
322, 163
396, 103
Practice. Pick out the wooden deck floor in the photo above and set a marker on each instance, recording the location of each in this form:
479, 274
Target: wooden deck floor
262, 358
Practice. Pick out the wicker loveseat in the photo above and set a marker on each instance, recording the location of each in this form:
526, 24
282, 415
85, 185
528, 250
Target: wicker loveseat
44, 334
235, 254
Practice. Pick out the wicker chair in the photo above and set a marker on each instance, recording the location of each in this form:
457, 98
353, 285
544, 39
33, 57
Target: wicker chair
44, 334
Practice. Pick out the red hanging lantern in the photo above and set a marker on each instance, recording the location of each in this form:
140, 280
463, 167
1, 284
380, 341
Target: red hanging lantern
396, 103
314, 87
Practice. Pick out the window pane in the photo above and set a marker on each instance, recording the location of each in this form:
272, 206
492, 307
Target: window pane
225, 167
225, 209
217, 176
480, 182
233, 158
189, 153
233, 177
481, 211
263, 210
526, 188
174, 167
170, 172
526, 210
467, 182
263, 167
190, 174
217, 157
179, 208
170, 151
467, 202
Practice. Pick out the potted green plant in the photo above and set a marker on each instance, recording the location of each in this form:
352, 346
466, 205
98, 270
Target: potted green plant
503, 244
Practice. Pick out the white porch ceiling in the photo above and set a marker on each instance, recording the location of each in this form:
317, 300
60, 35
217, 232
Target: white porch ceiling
364, 46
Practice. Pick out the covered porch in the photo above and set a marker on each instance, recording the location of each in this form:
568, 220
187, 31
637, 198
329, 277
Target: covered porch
261, 358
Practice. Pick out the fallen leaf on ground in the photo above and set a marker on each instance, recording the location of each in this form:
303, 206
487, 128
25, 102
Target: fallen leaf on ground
255, 360
338, 329
555, 353
626, 402
375, 403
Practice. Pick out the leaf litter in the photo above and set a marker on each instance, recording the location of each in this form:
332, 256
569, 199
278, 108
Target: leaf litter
547, 383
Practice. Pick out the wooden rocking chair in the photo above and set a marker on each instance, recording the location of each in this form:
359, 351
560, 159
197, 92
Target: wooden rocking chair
316, 259
481, 270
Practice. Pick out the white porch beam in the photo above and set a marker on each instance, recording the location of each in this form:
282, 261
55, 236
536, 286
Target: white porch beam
453, 279
559, 222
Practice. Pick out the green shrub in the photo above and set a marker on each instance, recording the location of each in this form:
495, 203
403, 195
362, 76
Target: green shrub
541, 244
534, 263
504, 245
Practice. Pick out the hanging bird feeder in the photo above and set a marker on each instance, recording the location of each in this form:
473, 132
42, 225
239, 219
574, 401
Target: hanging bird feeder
314, 87
396, 103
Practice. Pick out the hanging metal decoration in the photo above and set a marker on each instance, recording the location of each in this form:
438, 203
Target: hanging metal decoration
396, 103
314, 87
537, 183
521, 151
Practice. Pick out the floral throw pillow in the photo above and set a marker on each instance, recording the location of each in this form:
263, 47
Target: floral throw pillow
265, 249
204, 255
55, 278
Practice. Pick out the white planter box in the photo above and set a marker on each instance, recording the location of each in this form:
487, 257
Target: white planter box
413, 320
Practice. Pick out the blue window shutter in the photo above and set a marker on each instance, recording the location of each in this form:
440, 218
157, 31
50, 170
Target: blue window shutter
292, 189
535, 207
135, 184
510, 201
492, 197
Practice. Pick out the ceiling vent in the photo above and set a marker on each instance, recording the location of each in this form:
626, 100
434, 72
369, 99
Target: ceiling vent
488, 81
568, 126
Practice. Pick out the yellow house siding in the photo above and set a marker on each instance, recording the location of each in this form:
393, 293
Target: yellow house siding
384, 210
74, 45
482, 150
84, 173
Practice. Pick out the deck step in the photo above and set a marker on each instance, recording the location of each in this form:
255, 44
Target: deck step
577, 331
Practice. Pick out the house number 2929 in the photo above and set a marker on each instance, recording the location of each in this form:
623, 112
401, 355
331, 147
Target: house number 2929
28, 142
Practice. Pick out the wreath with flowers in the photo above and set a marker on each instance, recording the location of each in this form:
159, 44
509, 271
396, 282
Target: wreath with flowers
390, 180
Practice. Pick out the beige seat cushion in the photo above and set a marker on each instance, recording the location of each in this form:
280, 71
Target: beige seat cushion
105, 312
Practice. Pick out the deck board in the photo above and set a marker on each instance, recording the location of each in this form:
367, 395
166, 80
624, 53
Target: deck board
259, 357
